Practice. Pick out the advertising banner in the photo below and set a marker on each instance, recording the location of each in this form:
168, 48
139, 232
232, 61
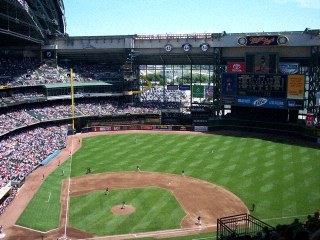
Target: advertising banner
162, 127
95, 129
236, 67
228, 88
198, 91
261, 102
147, 127
288, 68
295, 104
172, 87
228, 84
184, 87
208, 91
199, 109
201, 128
262, 40
226, 100
295, 86
318, 99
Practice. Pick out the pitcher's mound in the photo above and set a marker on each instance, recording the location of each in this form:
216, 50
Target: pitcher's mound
117, 210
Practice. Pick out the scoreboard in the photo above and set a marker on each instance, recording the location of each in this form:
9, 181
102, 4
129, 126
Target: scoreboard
263, 90
268, 85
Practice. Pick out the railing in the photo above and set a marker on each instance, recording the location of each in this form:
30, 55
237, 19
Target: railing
242, 225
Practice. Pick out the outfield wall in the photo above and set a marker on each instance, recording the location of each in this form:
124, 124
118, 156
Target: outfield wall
138, 127
307, 134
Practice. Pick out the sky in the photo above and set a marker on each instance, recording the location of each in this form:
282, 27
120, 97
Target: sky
127, 17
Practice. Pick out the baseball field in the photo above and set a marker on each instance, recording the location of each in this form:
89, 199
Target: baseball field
221, 173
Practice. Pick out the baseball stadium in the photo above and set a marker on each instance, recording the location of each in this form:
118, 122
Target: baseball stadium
172, 136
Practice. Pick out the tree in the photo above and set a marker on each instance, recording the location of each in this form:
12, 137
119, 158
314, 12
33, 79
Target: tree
196, 78
156, 78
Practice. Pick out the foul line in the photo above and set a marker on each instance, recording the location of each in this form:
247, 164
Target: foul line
155, 233
68, 190
49, 197
203, 238
269, 219
31, 229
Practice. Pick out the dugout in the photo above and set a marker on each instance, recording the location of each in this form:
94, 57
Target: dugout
4, 193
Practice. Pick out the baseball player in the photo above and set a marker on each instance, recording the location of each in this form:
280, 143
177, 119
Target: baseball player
199, 221
123, 205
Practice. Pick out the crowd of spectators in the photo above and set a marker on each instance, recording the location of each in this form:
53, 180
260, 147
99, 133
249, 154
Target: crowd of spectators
92, 72
22, 152
161, 94
13, 119
297, 230
20, 117
16, 71
27, 96
8, 200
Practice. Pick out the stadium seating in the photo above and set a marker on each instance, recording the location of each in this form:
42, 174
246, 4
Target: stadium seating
29, 71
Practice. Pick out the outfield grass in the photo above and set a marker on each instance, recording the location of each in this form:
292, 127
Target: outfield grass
282, 180
155, 209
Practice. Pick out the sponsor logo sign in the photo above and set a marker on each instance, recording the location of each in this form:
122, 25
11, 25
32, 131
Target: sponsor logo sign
262, 40
295, 86
184, 87
318, 99
162, 127
289, 68
198, 91
199, 109
236, 67
201, 128
260, 102
228, 100
295, 104
208, 91
228, 84
172, 87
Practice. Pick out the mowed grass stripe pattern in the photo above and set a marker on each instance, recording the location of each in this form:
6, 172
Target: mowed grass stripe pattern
43, 211
280, 179
156, 209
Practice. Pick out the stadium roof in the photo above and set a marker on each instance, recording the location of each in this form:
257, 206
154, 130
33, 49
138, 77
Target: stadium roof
30, 21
